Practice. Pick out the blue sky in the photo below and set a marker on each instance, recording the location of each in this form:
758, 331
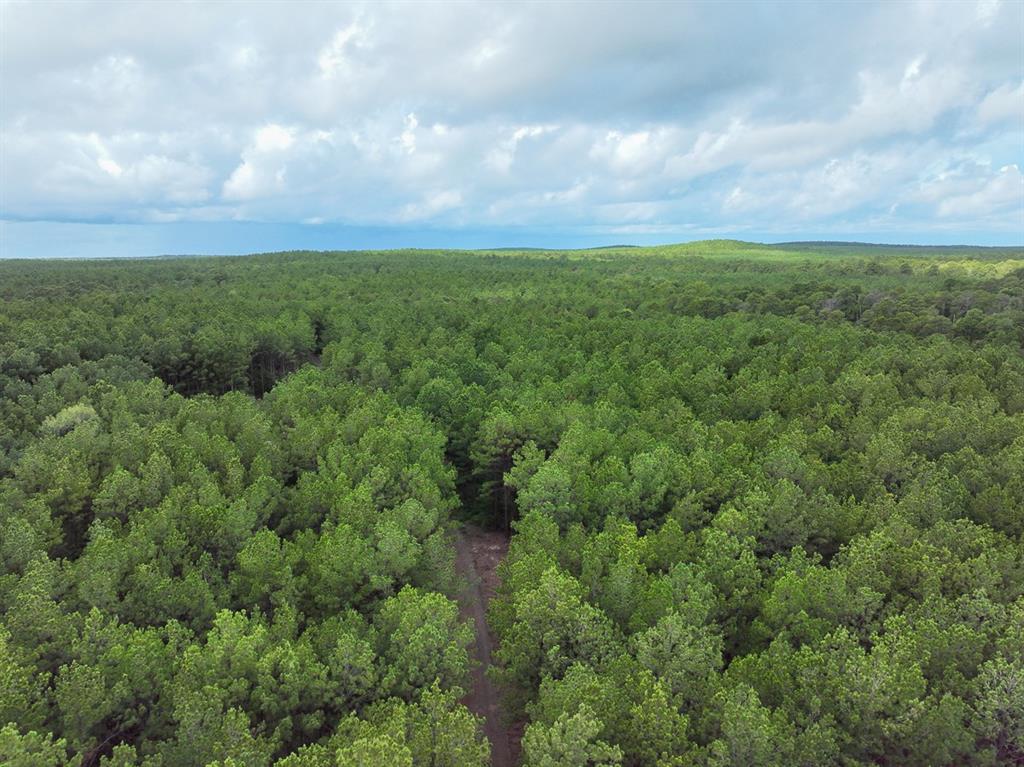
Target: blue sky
149, 128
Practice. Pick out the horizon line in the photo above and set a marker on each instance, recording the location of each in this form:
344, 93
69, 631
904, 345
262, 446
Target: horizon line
532, 249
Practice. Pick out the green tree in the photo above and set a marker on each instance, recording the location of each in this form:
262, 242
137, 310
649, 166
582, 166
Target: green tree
570, 742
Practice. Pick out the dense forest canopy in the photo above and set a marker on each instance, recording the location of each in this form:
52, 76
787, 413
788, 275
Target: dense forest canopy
767, 506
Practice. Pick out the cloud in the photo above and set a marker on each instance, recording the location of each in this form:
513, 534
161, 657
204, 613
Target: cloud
336, 58
263, 168
502, 156
272, 138
1000, 192
909, 103
1004, 103
671, 118
87, 176
407, 139
828, 188
636, 153
431, 205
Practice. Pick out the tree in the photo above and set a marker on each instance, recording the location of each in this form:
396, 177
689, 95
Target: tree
998, 716
21, 688
552, 629
685, 657
443, 733
570, 742
33, 749
421, 640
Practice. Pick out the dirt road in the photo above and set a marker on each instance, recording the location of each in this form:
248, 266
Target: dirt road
477, 555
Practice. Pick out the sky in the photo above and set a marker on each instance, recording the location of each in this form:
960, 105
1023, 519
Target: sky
136, 129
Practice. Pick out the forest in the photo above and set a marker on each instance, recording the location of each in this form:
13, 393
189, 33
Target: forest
765, 507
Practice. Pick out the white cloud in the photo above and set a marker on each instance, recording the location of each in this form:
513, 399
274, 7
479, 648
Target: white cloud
835, 186
407, 139
89, 176
110, 167
637, 152
502, 156
1004, 103
272, 138
106, 163
431, 205
987, 10
242, 183
335, 58
245, 57
263, 167
485, 52
1001, 192
512, 114
114, 76
886, 108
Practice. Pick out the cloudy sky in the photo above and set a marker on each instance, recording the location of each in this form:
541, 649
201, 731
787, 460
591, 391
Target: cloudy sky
143, 128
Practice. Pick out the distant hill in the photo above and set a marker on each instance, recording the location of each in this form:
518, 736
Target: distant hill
886, 249
719, 248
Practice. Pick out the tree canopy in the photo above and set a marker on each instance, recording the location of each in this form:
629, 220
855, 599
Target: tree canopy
767, 506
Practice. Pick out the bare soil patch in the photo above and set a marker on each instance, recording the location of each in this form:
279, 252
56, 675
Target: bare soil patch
477, 556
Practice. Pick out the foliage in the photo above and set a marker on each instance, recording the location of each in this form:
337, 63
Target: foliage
767, 502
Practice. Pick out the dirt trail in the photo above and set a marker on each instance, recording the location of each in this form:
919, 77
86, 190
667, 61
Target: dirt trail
477, 554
